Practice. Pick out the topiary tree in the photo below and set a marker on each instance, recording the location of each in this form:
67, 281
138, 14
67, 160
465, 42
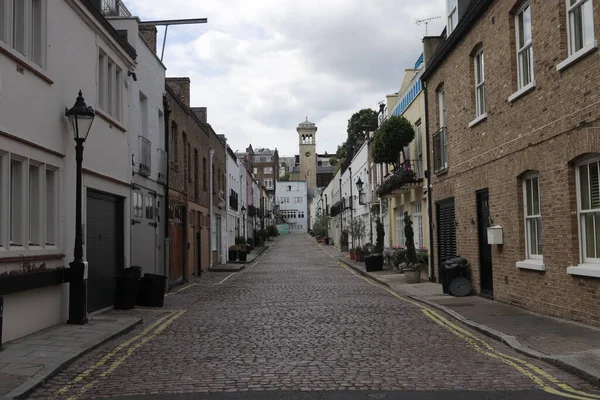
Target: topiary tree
394, 134
380, 236
411, 253
359, 122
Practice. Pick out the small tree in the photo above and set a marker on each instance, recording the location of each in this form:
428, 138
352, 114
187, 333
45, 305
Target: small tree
321, 226
411, 253
394, 134
380, 236
357, 229
285, 177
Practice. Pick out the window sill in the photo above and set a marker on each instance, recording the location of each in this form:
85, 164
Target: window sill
25, 63
477, 120
521, 92
577, 56
110, 120
532, 264
592, 270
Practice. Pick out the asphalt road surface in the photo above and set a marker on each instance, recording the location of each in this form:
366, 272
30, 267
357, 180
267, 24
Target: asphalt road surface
298, 325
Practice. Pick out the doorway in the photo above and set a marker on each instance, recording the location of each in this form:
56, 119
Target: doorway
485, 250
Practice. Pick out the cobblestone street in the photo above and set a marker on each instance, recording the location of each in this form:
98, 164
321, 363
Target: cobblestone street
298, 321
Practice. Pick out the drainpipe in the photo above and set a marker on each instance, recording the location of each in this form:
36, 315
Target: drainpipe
210, 210
429, 199
167, 116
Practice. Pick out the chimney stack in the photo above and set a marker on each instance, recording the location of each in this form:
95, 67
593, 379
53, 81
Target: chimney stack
148, 32
201, 113
181, 86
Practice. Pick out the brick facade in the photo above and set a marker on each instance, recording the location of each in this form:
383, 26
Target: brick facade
546, 130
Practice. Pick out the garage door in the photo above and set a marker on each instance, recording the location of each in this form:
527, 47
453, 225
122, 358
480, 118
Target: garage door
104, 247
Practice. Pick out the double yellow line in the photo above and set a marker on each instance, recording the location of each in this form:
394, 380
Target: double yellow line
123, 351
543, 379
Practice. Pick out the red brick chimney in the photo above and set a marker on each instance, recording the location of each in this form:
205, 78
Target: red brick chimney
148, 32
181, 86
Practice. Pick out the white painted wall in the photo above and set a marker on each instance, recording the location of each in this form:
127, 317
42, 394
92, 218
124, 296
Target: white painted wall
293, 190
233, 183
32, 108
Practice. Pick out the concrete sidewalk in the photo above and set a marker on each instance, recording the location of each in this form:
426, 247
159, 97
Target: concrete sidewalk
570, 345
27, 362
236, 266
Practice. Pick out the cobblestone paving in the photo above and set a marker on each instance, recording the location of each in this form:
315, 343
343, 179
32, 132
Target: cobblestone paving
294, 321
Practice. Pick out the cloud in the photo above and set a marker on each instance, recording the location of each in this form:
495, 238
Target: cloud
261, 67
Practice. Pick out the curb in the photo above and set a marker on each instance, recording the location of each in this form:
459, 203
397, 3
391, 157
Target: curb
509, 340
27, 387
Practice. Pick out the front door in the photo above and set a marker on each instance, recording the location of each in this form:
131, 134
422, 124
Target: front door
446, 232
104, 247
485, 250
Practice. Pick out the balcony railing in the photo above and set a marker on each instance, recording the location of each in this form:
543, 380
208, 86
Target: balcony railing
440, 156
162, 166
145, 156
403, 179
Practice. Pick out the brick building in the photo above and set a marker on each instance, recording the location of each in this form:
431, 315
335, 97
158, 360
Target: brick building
190, 143
516, 144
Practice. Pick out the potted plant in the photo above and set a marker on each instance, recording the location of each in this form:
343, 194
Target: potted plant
344, 241
374, 261
412, 272
352, 253
233, 253
423, 261
263, 235
242, 252
272, 231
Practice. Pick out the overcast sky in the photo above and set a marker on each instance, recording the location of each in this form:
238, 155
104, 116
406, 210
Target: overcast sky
262, 66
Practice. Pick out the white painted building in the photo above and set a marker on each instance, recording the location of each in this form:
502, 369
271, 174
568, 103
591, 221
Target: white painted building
234, 198
147, 143
47, 55
292, 197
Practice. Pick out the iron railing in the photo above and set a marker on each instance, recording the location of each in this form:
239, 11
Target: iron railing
145, 156
440, 155
162, 166
401, 179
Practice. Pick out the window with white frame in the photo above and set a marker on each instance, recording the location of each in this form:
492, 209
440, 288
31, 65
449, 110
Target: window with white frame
479, 84
110, 82
33, 202
524, 46
401, 241
268, 183
51, 206
452, 15
138, 205
418, 224
533, 217
34, 205
23, 27
255, 170
150, 208
16, 202
268, 170
589, 210
580, 21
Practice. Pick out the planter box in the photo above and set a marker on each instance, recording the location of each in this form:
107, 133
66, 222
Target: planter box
232, 255
242, 255
374, 262
34, 280
412, 275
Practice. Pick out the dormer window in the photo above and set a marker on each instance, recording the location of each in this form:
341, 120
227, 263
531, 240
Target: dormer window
452, 15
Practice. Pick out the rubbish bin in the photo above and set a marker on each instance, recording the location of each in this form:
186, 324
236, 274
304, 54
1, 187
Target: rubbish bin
152, 293
455, 268
127, 287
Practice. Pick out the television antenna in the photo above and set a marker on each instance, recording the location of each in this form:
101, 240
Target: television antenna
426, 22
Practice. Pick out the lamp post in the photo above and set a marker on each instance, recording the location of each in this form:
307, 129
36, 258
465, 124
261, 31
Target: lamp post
80, 117
244, 220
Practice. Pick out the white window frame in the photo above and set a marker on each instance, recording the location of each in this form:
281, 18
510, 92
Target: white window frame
580, 216
418, 223
452, 15
588, 39
51, 219
530, 218
268, 170
479, 84
110, 86
16, 201
34, 34
400, 237
525, 52
34, 205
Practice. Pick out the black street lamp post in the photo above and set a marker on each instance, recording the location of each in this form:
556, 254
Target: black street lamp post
80, 117
244, 221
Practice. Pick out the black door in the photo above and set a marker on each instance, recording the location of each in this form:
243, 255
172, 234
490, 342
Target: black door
446, 232
104, 247
485, 250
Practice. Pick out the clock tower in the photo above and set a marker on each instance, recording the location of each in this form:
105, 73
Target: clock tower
307, 136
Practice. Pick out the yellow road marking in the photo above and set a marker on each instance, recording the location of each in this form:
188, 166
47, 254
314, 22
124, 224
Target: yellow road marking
181, 290
229, 276
491, 351
129, 352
